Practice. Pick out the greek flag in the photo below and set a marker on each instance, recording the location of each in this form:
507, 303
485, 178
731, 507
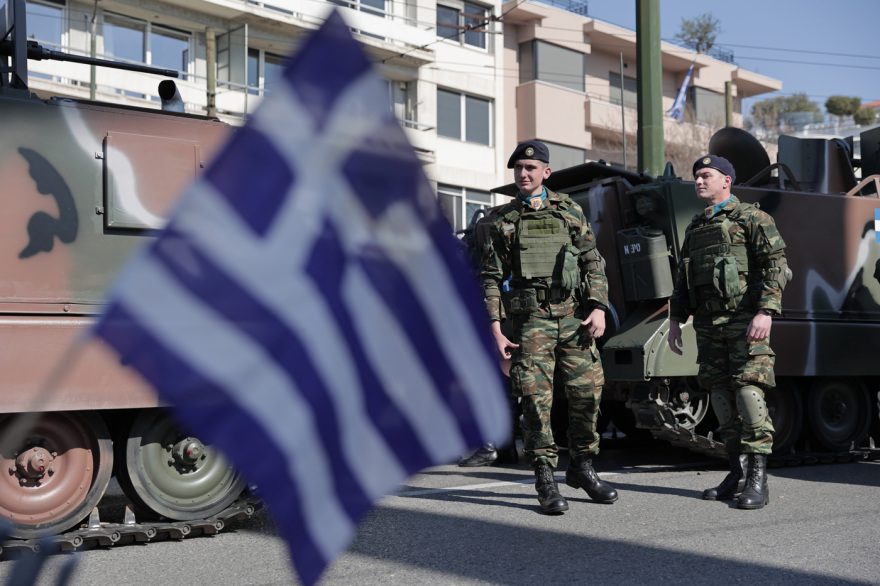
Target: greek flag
877, 225
308, 311
677, 109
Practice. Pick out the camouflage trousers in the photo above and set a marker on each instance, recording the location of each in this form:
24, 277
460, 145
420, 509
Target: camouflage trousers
736, 373
556, 346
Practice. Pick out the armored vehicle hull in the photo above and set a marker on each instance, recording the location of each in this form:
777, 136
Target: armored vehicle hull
85, 185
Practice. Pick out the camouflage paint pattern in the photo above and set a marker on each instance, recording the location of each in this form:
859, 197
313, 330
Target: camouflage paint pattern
84, 185
555, 351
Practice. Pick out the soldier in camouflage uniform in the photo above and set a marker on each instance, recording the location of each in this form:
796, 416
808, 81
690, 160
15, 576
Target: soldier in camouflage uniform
558, 295
731, 274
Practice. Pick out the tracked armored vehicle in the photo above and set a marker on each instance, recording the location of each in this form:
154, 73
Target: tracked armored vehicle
84, 184
827, 338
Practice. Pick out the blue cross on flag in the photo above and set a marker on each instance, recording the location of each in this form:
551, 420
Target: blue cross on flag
308, 311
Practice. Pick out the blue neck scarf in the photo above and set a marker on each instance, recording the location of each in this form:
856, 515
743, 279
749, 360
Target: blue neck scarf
717, 207
527, 199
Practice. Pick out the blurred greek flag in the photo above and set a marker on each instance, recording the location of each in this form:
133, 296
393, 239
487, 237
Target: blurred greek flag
308, 311
677, 109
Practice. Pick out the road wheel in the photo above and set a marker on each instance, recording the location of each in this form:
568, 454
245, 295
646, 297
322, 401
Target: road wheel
786, 410
55, 475
839, 413
168, 473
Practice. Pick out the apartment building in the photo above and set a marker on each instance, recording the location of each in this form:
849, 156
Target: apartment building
439, 60
466, 78
571, 82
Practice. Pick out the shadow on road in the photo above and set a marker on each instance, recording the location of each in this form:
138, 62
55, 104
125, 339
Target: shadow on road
481, 550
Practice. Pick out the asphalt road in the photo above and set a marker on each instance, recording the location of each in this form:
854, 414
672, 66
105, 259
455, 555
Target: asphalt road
453, 525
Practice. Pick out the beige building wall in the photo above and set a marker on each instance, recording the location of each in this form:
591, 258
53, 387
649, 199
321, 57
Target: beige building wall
593, 119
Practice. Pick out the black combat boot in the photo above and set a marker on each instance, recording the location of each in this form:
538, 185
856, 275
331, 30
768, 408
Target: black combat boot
483, 456
733, 483
580, 474
756, 493
552, 503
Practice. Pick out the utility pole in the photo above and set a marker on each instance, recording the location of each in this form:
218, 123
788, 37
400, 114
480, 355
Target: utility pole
728, 103
93, 29
622, 111
650, 87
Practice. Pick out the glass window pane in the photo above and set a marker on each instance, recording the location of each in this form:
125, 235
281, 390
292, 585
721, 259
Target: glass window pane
273, 68
560, 66
476, 195
448, 114
451, 206
169, 49
475, 15
527, 61
253, 71
477, 120
562, 156
447, 22
709, 106
630, 93
45, 23
373, 6
124, 38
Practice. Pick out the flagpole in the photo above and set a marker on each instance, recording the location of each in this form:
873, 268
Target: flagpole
622, 111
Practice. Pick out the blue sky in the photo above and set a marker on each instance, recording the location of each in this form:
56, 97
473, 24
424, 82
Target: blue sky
816, 47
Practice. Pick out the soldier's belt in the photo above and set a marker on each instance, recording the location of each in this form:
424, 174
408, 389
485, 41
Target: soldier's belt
528, 299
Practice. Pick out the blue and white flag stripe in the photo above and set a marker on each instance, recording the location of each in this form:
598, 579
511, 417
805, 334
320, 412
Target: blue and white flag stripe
308, 311
677, 109
877, 225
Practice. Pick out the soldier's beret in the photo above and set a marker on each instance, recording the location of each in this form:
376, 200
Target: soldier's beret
717, 163
530, 149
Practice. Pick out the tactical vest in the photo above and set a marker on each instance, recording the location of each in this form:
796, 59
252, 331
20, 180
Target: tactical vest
541, 235
714, 265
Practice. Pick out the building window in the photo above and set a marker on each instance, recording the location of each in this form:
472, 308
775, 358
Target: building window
263, 70
463, 23
140, 41
630, 90
464, 117
553, 64
402, 102
562, 156
707, 106
459, 204
45, 22
371, 6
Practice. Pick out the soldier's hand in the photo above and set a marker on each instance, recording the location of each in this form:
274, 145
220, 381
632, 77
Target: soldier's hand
759, 329
503, 345
674, 339
595, 323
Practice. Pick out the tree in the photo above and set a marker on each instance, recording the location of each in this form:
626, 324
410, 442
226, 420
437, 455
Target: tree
785, 112
864, 116
842, 105
699, 33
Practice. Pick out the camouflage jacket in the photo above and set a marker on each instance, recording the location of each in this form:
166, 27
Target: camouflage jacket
767, 271
499, 250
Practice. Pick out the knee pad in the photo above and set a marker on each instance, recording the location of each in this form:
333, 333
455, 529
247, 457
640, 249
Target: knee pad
751, 406
723, 406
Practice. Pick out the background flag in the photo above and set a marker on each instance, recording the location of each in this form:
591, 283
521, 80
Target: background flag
308, 311
677, 109
877, 224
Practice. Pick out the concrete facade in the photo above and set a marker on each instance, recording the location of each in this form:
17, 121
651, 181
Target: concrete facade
456, 77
